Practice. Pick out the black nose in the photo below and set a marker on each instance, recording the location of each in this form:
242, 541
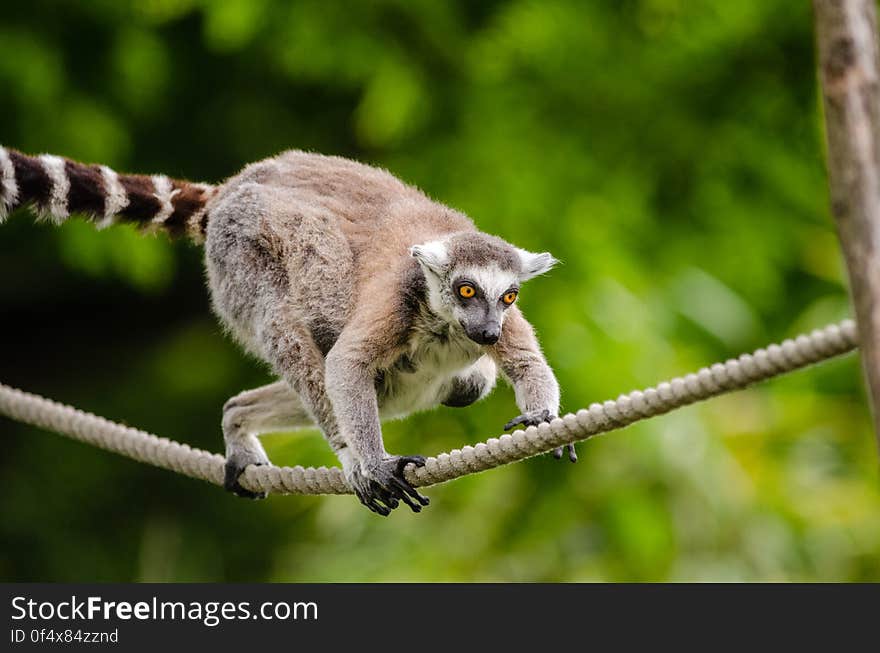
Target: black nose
489, 336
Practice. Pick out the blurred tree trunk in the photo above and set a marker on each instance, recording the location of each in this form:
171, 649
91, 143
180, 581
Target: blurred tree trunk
846, 31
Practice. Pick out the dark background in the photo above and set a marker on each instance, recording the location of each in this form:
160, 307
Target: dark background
486, 615
669, 153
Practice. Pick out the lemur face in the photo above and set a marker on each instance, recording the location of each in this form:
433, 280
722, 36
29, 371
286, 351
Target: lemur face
473, 279
481, 298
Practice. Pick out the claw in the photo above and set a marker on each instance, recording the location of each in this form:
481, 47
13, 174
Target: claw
572, 454
405, 491
403, 495
404, 488
529, 419
384, 495
514, 422
230, 482
533, 419
418, 461
383, 489
373, 505
379, 508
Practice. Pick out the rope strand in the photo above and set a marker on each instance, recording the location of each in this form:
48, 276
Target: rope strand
774, 360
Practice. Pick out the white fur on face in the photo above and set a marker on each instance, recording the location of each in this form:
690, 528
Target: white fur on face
491, 280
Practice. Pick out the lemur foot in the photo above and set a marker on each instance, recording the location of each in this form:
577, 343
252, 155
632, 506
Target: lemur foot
383, 487
236, 463
535, 417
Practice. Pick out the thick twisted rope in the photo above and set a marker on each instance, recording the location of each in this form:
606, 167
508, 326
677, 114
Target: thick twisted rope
718, 379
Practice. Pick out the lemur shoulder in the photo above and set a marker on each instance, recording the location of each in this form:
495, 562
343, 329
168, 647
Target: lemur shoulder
368, 299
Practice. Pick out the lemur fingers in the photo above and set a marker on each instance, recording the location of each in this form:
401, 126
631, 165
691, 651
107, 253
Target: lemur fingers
378, 499
535, 417
531, 418
383, 488
572, 454
402, 485
233, 472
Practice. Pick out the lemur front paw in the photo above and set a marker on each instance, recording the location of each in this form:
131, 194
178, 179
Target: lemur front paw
382, 487
535, 417
237, 461
531, 418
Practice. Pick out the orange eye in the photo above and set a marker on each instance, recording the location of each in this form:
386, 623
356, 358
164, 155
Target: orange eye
509, 297
466, 291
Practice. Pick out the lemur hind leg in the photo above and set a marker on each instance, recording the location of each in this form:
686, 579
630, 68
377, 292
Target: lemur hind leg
247, 415
292, 351
267, 256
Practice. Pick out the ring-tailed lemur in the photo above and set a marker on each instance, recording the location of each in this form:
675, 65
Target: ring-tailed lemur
368, 299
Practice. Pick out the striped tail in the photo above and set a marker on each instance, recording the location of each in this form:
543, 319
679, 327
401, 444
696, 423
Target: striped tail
58, 187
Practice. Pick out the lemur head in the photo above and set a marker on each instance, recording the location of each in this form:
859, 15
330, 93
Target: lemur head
473, 278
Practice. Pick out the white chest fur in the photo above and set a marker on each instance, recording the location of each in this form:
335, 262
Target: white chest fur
416, 381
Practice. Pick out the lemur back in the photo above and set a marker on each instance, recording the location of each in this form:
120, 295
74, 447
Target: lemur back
366, 298
329, 226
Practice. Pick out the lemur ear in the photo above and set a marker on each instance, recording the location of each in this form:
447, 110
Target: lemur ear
534, 264
431, 255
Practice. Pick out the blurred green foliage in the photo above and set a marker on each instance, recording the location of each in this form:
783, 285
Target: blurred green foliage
669, 152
